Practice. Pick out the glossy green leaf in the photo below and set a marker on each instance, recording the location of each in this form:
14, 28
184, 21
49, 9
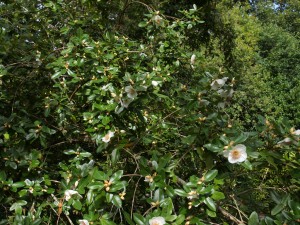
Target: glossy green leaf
139, 219
253, 219
218, 195
116, 176
127, 218
210, 175
116, 200
277, 209
180, 192
210, 204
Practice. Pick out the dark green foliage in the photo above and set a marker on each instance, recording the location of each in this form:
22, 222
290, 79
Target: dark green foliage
117, 112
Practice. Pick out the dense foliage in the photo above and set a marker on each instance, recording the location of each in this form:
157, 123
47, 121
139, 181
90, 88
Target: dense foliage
149, 112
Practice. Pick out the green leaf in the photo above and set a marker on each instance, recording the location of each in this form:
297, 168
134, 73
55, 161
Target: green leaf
247, 165
158, 195
253, 219
268, 220
99, 175
210, 175
139, 219
115, 156
213, 148
34, 163
295, 206
275, 197
18, 184
85, 154
22, 193
13, 165
167, 207
241, 138
180, 192
96, 186
116, 176
188, 139
18, 205
117, 201
6, 136
70, 152
127, 218
2, 175
180, 219
217, 195
77, 204
211, 213
210, 204
277, 209
143, 24
56, 75
109, 197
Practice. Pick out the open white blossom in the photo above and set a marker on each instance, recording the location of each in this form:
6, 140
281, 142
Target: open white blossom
84, 222
157, 221
285, 141
107, 137
125, 102
237, 154
131, 93
296, 132
193, 58
69, 193
157, 19
216, 84
154, 83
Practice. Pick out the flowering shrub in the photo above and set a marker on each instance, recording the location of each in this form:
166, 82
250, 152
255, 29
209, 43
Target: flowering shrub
135, 132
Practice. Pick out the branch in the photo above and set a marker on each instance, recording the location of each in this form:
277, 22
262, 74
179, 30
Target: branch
229, 216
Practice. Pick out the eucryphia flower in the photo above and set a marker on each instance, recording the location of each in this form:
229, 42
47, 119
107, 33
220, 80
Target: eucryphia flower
216, 84
107, 137
237, 154
154, 83
131, 93
125, 102
193, 58
285, 141
157, 221
296, 132
84, 222
69, 193
157, 19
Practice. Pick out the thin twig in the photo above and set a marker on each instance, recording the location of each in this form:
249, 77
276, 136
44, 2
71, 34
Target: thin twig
132, 203
237, 207
229, 216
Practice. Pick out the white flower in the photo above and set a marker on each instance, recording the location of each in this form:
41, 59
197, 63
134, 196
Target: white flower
131, 93
84, 222
125, 102
296, 132
285, 141
237, 154
157, 19
69, 193
216, 84
107, 137
157, 221
154, 83
193, 58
